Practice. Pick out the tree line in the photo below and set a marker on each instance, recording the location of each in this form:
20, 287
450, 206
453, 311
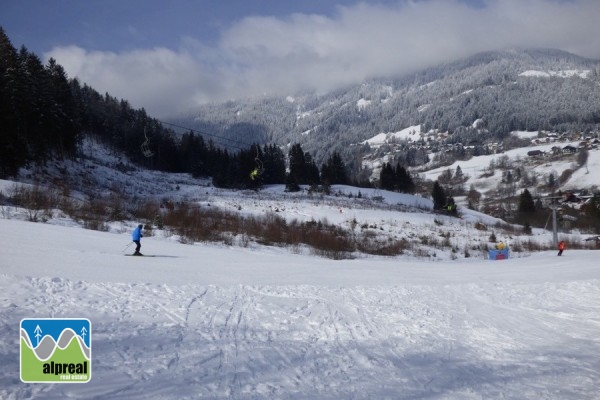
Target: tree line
37, 109
45, 115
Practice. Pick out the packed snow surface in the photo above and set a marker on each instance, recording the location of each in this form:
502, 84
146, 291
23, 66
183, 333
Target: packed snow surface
217, 322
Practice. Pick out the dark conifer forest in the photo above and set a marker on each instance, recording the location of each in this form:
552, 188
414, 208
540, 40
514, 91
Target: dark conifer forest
45, 115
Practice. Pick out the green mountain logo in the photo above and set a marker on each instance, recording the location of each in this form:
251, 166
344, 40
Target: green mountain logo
56, 350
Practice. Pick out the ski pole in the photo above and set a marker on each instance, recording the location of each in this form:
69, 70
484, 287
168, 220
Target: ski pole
126, 247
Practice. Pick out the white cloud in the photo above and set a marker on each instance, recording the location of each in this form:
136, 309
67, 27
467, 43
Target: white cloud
281, 55
160, 80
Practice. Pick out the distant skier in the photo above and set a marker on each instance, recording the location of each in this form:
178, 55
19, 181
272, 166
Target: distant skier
561, 247
137, 236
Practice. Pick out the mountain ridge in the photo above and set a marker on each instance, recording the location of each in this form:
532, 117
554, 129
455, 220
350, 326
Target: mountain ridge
448, 97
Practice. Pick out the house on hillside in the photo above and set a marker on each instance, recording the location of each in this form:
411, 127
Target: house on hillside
569, 149
495, 148
535, 153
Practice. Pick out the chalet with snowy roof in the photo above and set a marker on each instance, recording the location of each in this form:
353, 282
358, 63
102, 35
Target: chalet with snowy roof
535, 153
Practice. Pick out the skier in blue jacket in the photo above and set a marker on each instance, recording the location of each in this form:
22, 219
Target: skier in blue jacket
137, 236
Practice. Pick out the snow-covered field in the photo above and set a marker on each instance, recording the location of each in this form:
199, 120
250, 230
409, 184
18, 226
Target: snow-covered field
584, 177
217, 322
247, 321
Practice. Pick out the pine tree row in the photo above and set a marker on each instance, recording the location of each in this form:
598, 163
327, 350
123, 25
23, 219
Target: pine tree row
45, 115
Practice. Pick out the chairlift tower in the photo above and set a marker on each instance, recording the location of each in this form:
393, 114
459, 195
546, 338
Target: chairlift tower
554, 226
554, 207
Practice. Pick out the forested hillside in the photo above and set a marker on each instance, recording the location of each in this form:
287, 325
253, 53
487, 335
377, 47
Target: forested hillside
304, 138
505, 91
45, 115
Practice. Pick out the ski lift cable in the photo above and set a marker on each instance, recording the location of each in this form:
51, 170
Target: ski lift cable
256, 172
211, 135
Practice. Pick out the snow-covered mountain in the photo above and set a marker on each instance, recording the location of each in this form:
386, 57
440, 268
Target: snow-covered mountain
499, 92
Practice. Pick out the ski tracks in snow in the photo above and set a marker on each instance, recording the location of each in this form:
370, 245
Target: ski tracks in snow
297, 342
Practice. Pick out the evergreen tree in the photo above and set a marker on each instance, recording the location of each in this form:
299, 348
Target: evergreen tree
63, 110
34, 118
439, 196
297, 162
551, 180
312, 171
223, 176
334, 171
193, 154
526, 203
396, 179
387, 178
405, 183
13, 148
274, 165
527, 228
592, 208
37, 110
303, 170
458, 174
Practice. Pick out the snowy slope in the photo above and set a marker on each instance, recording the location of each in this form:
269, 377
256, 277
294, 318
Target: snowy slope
209, 321
476, 166
411, 134
254, 322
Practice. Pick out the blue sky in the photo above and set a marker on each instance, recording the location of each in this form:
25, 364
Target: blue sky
170, 55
